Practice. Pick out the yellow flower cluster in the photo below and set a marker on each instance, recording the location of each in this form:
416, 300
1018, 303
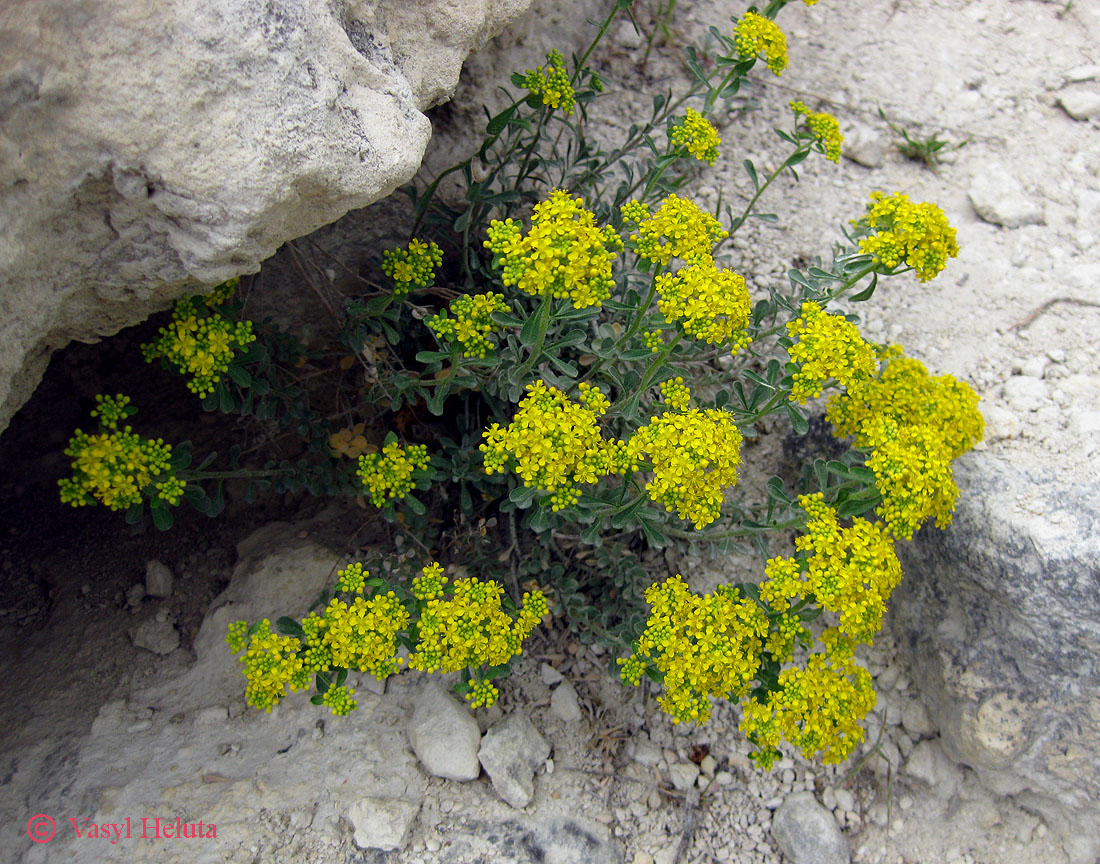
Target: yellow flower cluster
200, 342
694, 457
703, 646
358, 635
555, 443
551, 82
340, 700
472, 322
918, 234
697, 136
825, 127
653, 340
679, 229
272, 663
915, 425
676, 394
389, 474
817, 708
471, 629
115, 466
828, 348
412, 267
222, 293
757, 35
850, 572
565, 254
711, 304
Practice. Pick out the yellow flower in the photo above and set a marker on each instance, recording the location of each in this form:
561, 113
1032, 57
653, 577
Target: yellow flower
679, 229
828, 348
389, 474
757, 35
116, 466
564, 254
200, 342
412, 267
711, 304
703, 646
697, 136
918, 234
694, 457
915, 425
555, 443
825, 128
551, 82
818, 708
471, 628
472, 322
675, 394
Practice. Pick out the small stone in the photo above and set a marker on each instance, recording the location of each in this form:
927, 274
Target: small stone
642, 858
1080, 103
807, 833
1084, 422
906, 802
1056, 355
160, 637
828, 798
212, 716
864, 146
1079, 74
564, 704
135, 595
915, 720
444, 735
889, 677
1033, 367
708, 765
628, 36
928, 763
999, 198
158, 579
510, 752
646, 754
550, 676
140, 726
845, 800
382, 823
549, 766
1024, 393
683, 775
723, 778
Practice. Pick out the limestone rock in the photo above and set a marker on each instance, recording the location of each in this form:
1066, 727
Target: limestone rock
160, 637
864, 146
158, 579
998, 197
382, 823
444, 735
511, 752
564, 704
1080, 103
807, 832
146, 153
999, 618
542, 839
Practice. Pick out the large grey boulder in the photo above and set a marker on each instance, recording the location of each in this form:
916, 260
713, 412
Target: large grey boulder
146, 151
1000, 617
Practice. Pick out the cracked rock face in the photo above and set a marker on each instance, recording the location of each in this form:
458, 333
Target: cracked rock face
147, 152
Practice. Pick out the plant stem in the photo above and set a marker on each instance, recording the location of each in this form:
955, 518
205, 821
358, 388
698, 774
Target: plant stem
540, 338
629, 334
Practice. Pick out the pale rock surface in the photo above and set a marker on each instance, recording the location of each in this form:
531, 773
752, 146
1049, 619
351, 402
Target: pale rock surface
998, 197
511, 752
864, 146
278, 786
999, 619
147, 152
564, 704
158, 579
1080, 103
382, 823
444, 734
160, 637
807, 832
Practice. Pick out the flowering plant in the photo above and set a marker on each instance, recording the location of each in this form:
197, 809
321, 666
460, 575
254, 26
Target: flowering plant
525, 371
